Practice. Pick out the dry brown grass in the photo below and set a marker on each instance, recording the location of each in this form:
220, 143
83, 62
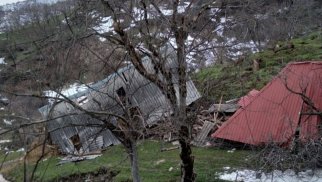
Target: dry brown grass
38, 151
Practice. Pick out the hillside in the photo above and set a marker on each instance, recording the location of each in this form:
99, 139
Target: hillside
133, 57
233, 81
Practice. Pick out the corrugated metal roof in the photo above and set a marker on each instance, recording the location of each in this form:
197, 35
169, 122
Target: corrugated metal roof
244, 101
274, 113
141, 92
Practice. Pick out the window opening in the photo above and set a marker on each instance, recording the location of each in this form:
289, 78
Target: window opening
76, 142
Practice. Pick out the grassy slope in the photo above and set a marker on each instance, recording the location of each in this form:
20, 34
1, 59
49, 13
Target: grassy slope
236, 80
208, 163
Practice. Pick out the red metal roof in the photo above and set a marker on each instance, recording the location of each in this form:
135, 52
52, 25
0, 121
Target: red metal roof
244, 101
273, 115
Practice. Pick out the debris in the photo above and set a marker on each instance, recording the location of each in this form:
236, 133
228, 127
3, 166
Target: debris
225, 108
170, 169
70, 158
175, 142
231, 151
159, 161
210, 120
170, 148
200, 139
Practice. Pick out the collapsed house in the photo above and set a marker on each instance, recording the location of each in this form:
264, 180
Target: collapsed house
284, 110
79, 133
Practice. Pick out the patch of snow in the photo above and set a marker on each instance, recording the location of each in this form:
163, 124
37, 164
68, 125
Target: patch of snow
8, 122
20, 150
275, 176
2, 179
132, 24
4, 99
102, 39
48, 1
8, 151
5, 141
166, 12
231, 151
220, 28
94, 14
226, 168
182, 8
138, 14
105, 25
2, 108
2, 61
4, 2
214, 11
261, 16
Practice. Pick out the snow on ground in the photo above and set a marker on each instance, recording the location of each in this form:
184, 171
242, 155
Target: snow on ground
168, 12
220, 27
138, 13
275, 176
105, 26
8, 122
2, 61
4, 2
20, 150
2, 179
4, 141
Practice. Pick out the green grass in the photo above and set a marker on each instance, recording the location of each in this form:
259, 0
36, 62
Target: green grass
234, 81
208, 163
305, 48
10, 156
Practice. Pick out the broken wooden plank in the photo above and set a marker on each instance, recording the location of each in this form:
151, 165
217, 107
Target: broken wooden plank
170, 148
199, 140
227, 108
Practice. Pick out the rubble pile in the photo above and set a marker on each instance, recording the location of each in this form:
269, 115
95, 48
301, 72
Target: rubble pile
210, 120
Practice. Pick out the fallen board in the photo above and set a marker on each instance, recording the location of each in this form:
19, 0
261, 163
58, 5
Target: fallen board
200, 139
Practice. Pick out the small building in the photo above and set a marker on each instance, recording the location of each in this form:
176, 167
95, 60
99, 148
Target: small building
284, 110
81, 133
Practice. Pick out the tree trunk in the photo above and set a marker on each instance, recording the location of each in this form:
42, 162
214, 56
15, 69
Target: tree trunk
187, 173
132, 150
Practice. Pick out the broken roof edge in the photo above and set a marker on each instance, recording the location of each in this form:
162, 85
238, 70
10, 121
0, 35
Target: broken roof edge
101, 83
239, 111
95, 87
